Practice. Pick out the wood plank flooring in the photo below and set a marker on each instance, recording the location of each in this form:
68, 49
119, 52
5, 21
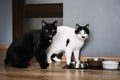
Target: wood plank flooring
53, 72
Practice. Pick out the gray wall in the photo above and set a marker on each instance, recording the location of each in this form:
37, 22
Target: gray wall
104, 19
5, 22
102, 15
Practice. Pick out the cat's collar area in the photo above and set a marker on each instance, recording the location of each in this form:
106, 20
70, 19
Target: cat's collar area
50, 41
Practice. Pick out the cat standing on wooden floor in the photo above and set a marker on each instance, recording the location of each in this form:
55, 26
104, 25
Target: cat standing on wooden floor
31, 44
68, 40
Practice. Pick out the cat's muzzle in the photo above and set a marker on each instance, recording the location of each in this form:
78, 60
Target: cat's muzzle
50, 36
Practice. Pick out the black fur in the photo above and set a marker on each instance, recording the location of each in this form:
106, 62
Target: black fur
67, 42
31, 44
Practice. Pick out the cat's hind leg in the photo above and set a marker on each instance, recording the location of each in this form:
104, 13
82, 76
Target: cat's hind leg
55, 58
9, 61
12, 59
21, 65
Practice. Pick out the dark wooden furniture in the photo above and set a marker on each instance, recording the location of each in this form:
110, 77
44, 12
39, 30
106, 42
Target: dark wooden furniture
21, 11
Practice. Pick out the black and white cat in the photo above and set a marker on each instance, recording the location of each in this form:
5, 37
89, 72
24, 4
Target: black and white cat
31, 44
68, 40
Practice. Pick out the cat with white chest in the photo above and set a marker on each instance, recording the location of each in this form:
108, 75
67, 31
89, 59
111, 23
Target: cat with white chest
68, 40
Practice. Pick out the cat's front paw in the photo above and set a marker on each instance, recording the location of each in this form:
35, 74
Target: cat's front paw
67, 67
44, 66
49, 62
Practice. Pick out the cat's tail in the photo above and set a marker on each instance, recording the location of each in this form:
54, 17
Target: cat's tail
6, 62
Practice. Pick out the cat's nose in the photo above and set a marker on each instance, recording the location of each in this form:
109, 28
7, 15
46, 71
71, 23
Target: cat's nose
50, 36
83, 36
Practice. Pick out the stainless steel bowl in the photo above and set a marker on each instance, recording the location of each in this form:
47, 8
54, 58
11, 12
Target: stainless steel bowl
78, 65
95, 62
83, 65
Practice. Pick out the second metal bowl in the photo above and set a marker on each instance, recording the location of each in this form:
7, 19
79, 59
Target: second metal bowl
95, 62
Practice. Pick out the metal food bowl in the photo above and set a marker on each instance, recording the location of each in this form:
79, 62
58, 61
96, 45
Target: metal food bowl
78, 65
95, 62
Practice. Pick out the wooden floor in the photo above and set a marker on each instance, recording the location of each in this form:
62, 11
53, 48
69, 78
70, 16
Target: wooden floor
54, 72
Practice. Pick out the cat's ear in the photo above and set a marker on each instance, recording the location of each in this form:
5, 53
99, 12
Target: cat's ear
43, 23
55, 23
87, 25
77, 26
